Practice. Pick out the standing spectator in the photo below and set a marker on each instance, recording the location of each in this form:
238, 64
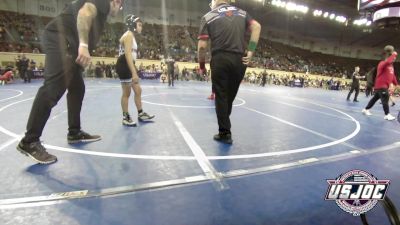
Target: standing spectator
98, 71
384, 78
264, 78
108, 71
176, 71
18, 65
370, 76
23, 67
170, 71
355, 85
30, 71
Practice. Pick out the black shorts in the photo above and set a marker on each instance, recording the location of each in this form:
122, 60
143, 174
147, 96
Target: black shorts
122, 69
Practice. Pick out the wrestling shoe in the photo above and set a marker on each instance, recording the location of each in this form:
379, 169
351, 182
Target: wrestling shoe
127, 121
145, 117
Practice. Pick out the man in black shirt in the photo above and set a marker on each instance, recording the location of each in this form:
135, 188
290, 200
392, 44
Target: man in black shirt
18, 65
67, 41
23, 70
370, 78
170, 68
356, 84
264, 78
225, 26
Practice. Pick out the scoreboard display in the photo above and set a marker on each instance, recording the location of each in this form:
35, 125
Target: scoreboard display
371, 4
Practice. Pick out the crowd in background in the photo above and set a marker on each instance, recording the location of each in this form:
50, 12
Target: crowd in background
20, 33
27, 69
181, 43
293, 80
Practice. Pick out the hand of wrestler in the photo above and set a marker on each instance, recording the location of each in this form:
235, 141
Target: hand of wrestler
135, 79
84, 57
247, 59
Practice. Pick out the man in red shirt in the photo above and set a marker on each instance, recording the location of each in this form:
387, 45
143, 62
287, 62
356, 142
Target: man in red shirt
384, 78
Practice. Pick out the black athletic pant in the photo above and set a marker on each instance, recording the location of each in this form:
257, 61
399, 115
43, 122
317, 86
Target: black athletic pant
383, 95
263, 81
170, 78
368, 91
227, 73
355, 87
22, 74
61, 73
29, 74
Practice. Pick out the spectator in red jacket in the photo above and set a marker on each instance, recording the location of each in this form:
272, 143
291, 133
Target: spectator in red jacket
384, 78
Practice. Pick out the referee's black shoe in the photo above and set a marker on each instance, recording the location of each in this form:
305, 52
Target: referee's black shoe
37, 152
82, 136
224, 138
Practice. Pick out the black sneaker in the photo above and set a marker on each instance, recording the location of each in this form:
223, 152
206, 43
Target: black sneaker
224, 138
82, 136
145, 117
37, 152
355, 100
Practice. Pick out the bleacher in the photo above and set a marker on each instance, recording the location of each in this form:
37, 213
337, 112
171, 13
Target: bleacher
21, 33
